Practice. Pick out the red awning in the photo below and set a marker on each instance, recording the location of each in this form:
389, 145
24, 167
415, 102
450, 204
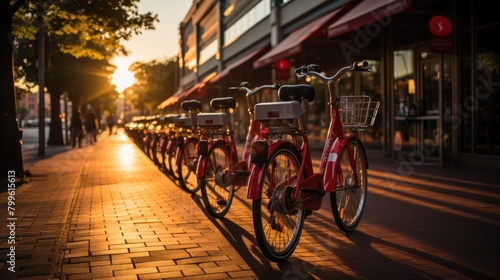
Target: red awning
366, 12
292, 44
180, 94
173, 99
252, 55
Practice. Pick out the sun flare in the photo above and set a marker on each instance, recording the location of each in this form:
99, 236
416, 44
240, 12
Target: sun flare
122, 78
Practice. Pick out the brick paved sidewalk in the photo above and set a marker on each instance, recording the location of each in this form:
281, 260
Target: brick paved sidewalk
106, 212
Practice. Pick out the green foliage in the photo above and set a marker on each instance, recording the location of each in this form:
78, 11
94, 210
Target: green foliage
90, 30
82, 36
156, 81
22, 112
491, 61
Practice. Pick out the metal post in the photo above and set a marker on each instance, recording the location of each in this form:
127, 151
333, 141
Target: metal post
41, 92
66, 118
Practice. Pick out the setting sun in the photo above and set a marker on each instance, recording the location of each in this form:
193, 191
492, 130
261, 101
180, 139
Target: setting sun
122, 78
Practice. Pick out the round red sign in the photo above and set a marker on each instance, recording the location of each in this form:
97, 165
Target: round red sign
282, 64
440, 26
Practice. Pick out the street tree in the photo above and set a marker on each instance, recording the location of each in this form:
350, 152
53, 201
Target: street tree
155, 81
91, 29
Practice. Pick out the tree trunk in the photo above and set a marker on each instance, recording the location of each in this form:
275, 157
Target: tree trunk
10, 141
55, 132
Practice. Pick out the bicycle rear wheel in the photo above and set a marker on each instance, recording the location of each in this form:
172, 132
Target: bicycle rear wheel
277, 224
348, 199
163, 153
217, 189
150, 149
157, 155
186, 168
170, 154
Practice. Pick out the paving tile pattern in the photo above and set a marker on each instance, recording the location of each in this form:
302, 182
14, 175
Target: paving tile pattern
106, 212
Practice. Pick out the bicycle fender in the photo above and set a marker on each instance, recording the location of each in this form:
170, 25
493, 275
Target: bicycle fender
178, 156
253, 189
332, 164
200, 169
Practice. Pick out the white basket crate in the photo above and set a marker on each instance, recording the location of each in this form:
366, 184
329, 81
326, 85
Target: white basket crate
277, 113
185, 122
358, 111
213, 120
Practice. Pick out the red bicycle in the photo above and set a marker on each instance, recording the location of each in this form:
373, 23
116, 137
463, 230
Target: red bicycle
187, 140
164, 146
283, 185
219, 167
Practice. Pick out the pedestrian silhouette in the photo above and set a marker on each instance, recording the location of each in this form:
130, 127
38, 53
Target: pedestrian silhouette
111, 122
91, 125
76, 128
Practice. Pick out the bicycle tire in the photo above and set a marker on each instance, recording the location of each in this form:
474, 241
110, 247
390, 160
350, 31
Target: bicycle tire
348, 200
278, 229
147, 142
186, 168
217, 190
150, 151
171, 161
157, 156
163, 153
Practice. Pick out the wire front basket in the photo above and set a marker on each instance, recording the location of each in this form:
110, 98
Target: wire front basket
358, 111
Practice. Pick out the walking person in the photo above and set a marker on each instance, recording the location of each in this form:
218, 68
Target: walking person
91, 125
111, 120
76, 129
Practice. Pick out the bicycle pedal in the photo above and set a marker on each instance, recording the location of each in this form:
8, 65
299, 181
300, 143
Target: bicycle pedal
221, 202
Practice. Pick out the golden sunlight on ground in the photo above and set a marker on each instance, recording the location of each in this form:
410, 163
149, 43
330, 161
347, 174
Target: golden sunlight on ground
122, 78
127, 161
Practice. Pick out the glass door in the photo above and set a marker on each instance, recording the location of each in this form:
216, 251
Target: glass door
429, 107
421, 100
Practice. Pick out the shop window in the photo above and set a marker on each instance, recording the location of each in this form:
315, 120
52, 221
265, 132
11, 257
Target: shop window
479, 108
486, 102
371, 86
189, 48
247, 21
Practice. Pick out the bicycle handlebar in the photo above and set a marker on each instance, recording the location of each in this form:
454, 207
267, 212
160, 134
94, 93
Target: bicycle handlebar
314, 70
244, 86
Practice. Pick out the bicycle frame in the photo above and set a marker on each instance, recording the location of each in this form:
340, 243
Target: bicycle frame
253, 133
228, 140
336, 140
188, 132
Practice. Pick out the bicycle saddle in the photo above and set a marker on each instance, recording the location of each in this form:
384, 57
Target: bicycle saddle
223, 103
190, 105
296, 92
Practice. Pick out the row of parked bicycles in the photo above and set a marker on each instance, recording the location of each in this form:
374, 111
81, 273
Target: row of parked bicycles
198, 149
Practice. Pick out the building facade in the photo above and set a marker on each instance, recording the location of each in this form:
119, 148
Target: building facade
435, 67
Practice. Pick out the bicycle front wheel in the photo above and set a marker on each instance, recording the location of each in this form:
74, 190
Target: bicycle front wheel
186, 169
217, 189
278, 224
348, 199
